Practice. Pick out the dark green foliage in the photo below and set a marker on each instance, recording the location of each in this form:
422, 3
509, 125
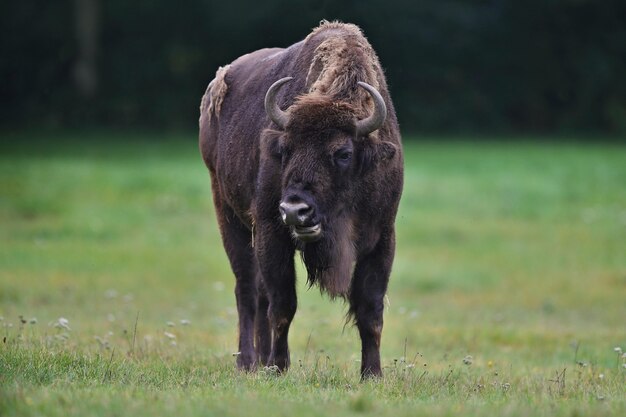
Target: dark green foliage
452, 65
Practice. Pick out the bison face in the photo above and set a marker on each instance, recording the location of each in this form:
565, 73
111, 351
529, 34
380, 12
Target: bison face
316, 169
320, 168
324, 153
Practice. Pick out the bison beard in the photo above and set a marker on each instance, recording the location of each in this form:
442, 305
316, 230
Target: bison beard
329, 262
304, 152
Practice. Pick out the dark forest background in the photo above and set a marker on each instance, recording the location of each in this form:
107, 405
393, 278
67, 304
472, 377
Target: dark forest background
548, 66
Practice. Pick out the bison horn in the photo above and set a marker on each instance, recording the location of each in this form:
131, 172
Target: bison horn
376, 120
271, 108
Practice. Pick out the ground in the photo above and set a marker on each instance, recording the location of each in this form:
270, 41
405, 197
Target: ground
507, 295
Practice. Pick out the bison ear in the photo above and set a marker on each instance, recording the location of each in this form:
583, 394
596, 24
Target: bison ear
386, 150
373, 153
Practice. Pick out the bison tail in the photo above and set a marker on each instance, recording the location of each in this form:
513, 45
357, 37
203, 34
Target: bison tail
214, 95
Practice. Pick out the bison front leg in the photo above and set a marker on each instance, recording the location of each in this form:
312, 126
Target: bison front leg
275, 258
369, 286
262, 329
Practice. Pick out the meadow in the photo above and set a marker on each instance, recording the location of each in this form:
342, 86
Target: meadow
508, 294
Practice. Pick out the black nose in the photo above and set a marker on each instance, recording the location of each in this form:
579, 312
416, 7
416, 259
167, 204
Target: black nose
295, 214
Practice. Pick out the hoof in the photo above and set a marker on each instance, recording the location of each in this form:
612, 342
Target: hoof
371, 374
246, 363
280, 363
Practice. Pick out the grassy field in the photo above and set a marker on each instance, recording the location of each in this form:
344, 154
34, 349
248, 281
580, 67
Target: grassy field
508, 295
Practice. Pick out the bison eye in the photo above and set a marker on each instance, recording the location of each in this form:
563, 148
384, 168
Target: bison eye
342, 157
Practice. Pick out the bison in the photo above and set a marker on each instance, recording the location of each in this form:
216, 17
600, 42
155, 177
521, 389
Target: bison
304, 153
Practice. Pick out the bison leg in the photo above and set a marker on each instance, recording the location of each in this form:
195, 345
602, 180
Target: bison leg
276, 264
237, 242
369, 285
262, 331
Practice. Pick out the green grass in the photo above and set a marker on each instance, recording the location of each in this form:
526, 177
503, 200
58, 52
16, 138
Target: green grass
512, 253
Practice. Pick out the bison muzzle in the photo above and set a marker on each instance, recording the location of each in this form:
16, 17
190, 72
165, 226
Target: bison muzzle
304, 153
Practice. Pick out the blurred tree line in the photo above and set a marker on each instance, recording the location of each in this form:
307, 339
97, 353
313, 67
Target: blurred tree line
452, 65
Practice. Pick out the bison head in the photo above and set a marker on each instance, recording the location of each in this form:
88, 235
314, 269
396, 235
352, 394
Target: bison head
324, 153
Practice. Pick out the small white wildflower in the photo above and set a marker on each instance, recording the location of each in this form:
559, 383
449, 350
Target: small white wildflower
506, 386
185, 322
109, 333
33, 320
62, 323
624, 355
468, 360
169, 335
236, 353
170, 324
273, 369
601, 376
411, 365
617, 349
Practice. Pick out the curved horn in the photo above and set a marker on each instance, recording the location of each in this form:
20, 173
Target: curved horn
271, 108
376, 120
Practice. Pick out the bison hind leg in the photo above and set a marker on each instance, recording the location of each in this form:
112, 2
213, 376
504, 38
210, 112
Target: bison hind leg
237, 243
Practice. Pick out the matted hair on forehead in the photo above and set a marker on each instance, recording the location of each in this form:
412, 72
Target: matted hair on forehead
313, 112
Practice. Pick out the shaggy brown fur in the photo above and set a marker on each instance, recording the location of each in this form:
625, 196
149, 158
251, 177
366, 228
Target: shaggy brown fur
318, 112
330, 262
327, 74
350, 185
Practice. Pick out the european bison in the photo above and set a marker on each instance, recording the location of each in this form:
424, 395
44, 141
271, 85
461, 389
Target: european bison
324, 177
